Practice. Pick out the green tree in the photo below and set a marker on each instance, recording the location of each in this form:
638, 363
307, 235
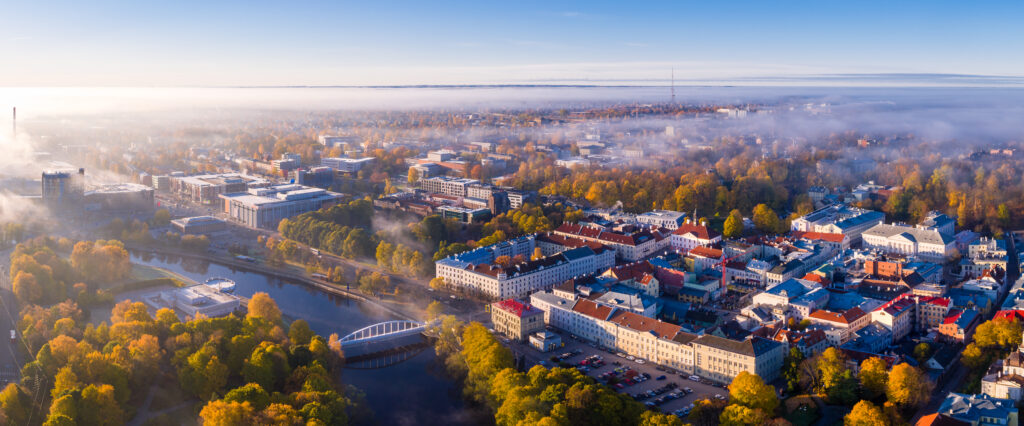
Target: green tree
252, 393
385, 251
161, 217
299, 333
791, 369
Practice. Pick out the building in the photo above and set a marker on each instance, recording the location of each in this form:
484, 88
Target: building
320, 177
458, 187
980, 409
463, 214
198, 300
63, 186
199, 225
333, 141
958, 325
206, 189
689, 235
939, 419
632, 245
516, 320
840, 326
667, 219
545, 341
801, 296
1005, 378
347, 165
927, 244
720, 359
474, 271
839, 219
265, 207
287, 162
120, 197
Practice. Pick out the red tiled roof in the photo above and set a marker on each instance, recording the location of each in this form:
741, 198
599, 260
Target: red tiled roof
699, 231
591, 309
670, 277
1010, 314
939, 419
631, 271
517, 308
952, 316
643, 324
847, 317
816, 278
706, 252
824, 236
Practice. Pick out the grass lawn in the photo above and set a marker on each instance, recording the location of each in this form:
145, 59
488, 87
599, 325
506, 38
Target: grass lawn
804, 415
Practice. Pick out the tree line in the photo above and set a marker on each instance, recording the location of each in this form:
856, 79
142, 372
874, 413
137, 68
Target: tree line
251, 369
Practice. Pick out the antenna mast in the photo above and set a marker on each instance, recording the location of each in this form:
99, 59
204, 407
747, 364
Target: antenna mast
673, 85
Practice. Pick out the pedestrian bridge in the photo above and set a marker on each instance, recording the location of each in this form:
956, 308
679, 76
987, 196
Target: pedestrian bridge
382, 337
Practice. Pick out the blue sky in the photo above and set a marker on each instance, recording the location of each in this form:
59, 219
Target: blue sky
227, 43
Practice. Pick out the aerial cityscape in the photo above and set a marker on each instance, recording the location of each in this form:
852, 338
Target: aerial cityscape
585, 213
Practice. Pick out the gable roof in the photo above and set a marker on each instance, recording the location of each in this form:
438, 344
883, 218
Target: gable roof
644, 324
593, 310
698, 231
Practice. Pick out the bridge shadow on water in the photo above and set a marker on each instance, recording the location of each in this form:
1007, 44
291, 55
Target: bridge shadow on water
389, 357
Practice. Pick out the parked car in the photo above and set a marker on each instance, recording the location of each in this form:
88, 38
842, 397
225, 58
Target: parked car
695, 378
662, 377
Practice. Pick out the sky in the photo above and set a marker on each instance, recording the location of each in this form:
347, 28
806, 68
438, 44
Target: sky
323, 43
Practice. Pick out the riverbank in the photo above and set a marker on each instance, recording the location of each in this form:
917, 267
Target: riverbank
399, 311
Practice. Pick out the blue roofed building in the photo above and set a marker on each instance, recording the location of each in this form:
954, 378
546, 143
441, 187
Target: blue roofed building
981, 409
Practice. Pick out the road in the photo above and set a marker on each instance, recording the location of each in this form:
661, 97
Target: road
10, 358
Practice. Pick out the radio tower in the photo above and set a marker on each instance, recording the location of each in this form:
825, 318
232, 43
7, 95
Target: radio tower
673, 85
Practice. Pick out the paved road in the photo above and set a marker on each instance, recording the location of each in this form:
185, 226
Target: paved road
10, 358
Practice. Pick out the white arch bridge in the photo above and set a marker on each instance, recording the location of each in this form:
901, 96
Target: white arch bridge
382, 337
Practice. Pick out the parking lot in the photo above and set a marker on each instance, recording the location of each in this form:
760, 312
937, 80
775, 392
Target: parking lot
627, 376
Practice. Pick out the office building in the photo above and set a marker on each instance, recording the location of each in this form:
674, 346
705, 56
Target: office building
265, 207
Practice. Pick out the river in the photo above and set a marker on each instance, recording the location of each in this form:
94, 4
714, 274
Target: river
412, 392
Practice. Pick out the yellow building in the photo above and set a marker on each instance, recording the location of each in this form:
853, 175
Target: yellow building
515, 319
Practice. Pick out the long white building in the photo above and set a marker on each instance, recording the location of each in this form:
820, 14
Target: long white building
475, 271
265, 207
716, 358
928, 244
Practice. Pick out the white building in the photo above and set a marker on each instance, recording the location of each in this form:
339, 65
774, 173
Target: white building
521, 279
347, 165
928, 244
458, 187
265, 207
689, 235
664, 218
838, 219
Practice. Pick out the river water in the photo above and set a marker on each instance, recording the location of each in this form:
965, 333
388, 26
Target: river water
412, 392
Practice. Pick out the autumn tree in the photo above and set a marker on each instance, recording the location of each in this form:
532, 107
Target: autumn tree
873, 375
907, 387
865, 413
434, 310
733, 224
262, 306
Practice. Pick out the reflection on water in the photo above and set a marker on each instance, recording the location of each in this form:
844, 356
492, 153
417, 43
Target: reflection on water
407, 388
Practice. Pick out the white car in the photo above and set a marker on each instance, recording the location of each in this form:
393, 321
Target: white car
640, 361
631, 358
695, 378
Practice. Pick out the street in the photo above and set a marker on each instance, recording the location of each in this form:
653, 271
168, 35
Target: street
10, 365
